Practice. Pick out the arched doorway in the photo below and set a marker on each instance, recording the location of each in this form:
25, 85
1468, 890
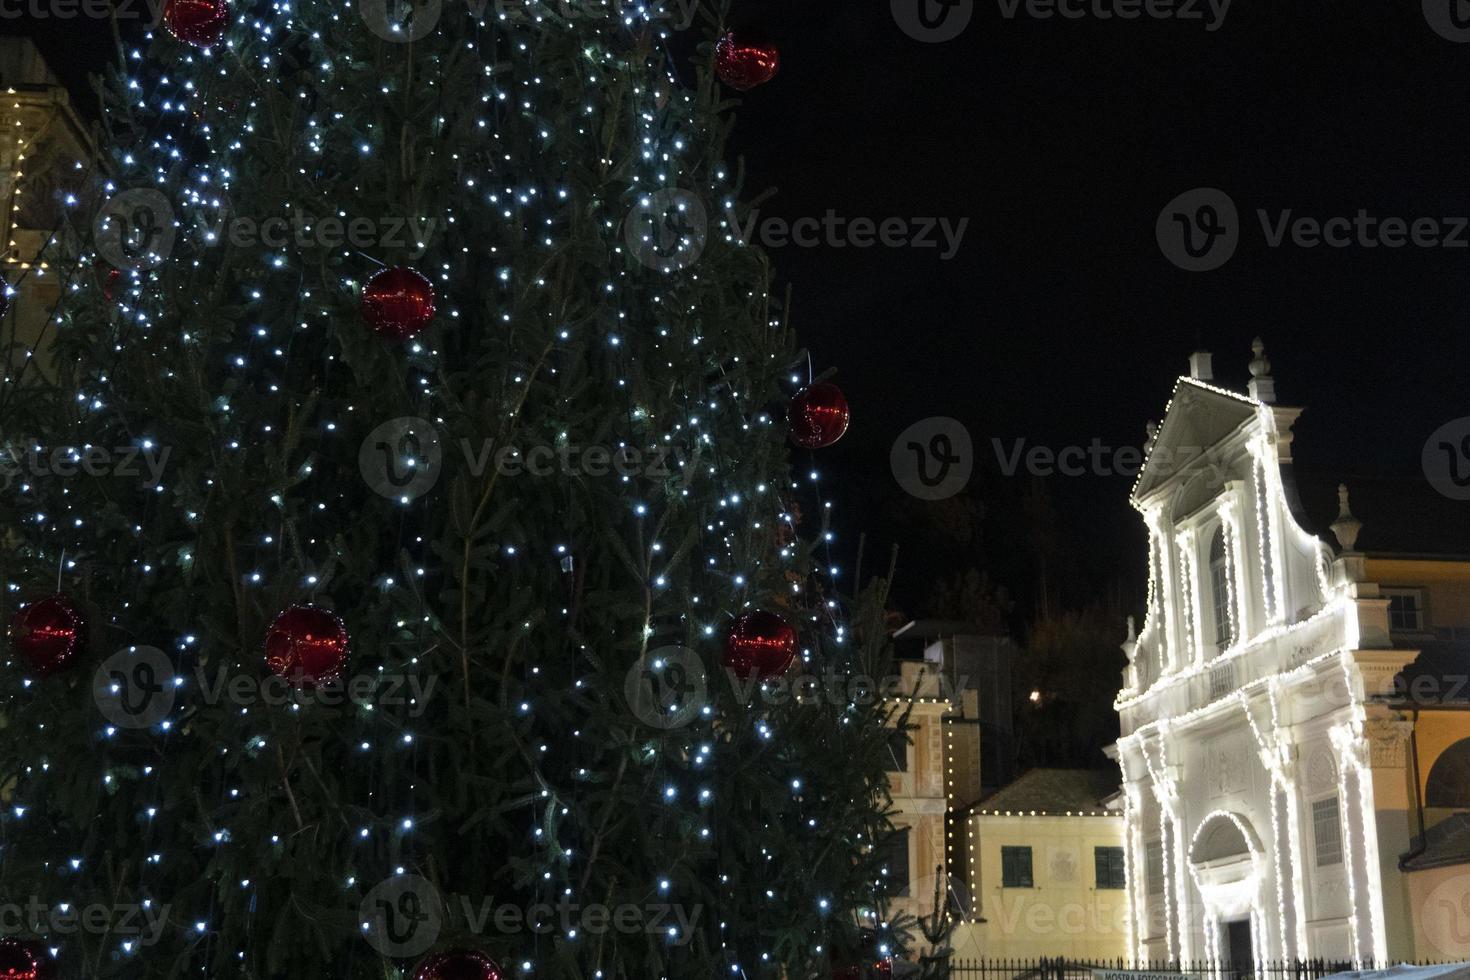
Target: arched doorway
1227, 863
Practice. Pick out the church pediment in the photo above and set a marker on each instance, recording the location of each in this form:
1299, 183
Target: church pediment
1199, 417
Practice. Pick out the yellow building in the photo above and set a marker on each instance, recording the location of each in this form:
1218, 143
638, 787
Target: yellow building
1425, 726
46, 156
1036, 869
922, 782
1046, 867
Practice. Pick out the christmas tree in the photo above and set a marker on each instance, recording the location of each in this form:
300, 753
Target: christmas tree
402, 574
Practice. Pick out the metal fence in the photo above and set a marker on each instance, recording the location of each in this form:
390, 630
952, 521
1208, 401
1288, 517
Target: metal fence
1063, 969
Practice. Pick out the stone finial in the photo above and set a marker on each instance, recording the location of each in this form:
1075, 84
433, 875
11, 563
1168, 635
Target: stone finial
1347, 527
1260, 365
1262, 385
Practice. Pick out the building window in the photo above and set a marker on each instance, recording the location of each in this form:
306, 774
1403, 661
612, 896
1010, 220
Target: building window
1405, 609
1220, 590
1327, 831
1111, 872
1153, 867
895, 857
898, 750
1015, 867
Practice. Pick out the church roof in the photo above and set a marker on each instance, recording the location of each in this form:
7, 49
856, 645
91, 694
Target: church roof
1401, 516
1446, 843
1054, 791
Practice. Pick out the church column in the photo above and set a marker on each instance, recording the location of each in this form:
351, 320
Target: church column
1264, 494
1179, 909
1360, 844
1160, 554
1135, 872
1189, 593
1287, 796
1389, 805
1278, 754
1232, 505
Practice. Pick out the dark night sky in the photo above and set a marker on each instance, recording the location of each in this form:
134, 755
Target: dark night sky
1060, 320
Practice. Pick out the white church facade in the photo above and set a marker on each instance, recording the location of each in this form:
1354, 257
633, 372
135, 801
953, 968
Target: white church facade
1277, 774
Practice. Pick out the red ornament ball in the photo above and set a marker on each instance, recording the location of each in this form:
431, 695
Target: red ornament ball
198, 22
744, 60
760, 645
49, 634
462, 964
398, 303
819, 416
881, 970
24, 961
307, 645
110, 284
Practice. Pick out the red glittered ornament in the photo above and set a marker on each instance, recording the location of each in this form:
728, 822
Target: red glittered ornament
398, 303
462, 964
881, 970
307, 645
745, 60
49, 634
198, 22
24, 961
760, 645
819, 416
